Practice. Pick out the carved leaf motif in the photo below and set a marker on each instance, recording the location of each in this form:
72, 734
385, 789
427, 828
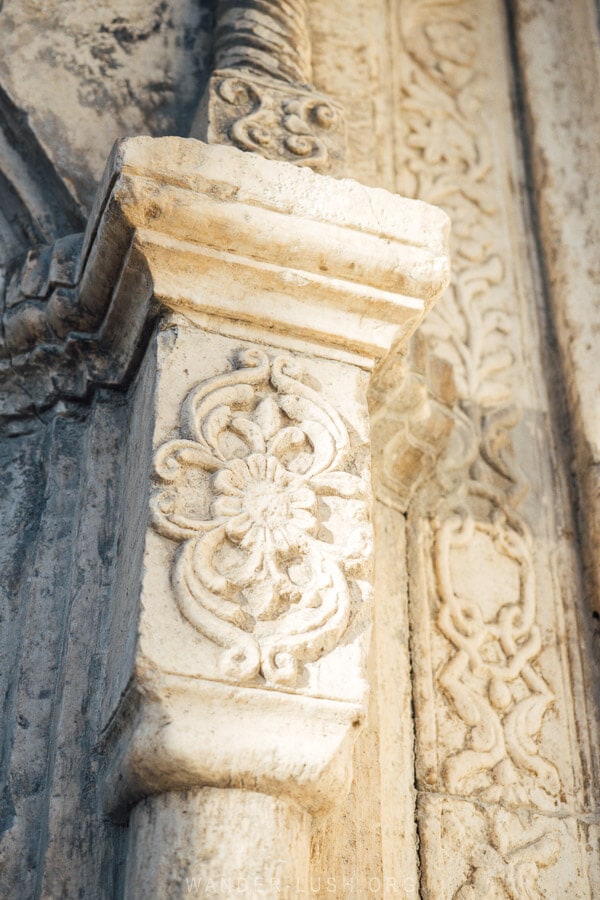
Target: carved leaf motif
448, 160
240, 490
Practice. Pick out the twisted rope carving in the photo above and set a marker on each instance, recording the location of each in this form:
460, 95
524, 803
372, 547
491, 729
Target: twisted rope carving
268, 36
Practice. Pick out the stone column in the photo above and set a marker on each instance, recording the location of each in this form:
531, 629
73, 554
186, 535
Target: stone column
260, 97
243, 601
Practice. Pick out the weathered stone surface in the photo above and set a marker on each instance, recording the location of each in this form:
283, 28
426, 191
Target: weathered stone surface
182, 846
55, 837
425, 87
293, 612
502, 692
169, 209
264, 36
559, 52
238, 647
274, 119
89, 74
472, 851
367, 847
35, 204
259, 97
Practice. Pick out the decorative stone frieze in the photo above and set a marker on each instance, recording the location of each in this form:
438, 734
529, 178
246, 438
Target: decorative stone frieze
499, 691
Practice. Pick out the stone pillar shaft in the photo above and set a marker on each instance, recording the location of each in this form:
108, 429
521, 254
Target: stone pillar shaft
226, 842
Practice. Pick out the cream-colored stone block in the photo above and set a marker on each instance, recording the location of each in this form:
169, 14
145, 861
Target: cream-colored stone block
230, 237
255, 605
279, 290
245, 246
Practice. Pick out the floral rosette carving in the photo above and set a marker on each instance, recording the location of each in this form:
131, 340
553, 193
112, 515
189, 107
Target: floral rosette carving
244, 492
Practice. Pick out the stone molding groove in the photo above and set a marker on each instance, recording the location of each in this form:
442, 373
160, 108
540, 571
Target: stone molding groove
499, 765
75, 316
259, 97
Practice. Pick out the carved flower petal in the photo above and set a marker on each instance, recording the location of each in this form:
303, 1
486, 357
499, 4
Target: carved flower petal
289, 537
172, 524
341, 483
257, 465
250, 432
175, 455
285, 440
274, 470
324, 446
241, 474
268, 417
281, 539
215, 422
304, 519
231, 481
226, 505
254, 536
302, 498
238, 527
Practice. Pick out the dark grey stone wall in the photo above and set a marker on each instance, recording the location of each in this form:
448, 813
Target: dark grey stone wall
74, 77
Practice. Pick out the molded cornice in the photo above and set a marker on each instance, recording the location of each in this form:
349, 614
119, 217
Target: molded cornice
338, 264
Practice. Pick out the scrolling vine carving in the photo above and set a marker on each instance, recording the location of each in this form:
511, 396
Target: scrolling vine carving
490, 673
508, 866
490, 677
243, 492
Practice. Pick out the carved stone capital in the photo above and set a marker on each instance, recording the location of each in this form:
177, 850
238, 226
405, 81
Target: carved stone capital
236, 242
254, 298
276, 291
277, 120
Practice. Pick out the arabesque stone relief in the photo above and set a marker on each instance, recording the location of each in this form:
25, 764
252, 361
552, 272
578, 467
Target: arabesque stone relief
492, 713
